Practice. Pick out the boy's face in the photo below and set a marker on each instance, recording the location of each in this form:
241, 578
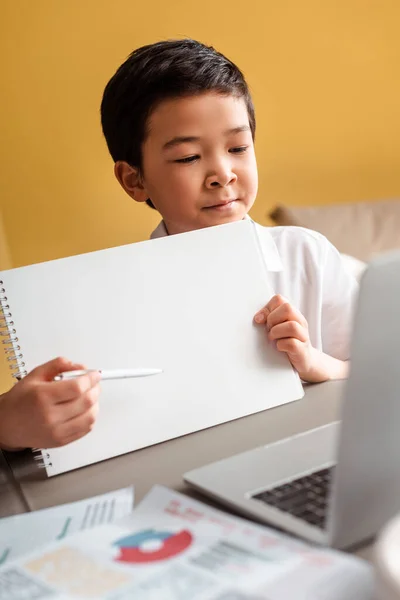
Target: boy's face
199, 166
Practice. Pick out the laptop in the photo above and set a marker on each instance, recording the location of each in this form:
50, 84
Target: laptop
336, 485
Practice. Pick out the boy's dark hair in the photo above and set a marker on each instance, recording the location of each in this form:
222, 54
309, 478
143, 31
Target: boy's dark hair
157, 72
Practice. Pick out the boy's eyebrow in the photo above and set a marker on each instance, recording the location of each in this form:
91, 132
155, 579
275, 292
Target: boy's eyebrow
182, 139
237, 129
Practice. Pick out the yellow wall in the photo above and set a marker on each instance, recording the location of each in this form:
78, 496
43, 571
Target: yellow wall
5, 263
325, 79
5, 257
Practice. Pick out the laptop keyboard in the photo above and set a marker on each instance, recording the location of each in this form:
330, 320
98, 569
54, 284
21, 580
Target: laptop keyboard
305, 498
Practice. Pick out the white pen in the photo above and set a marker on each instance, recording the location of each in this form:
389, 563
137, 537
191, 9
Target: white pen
109, 374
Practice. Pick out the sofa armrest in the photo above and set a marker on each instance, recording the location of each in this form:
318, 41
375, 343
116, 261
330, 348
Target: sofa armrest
360, 229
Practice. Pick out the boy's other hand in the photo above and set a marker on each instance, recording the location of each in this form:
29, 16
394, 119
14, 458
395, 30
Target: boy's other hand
287, 327
39, 412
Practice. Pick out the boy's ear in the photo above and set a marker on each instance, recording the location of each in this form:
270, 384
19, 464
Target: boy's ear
130, 179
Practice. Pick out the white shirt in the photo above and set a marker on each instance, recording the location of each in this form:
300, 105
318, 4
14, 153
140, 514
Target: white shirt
307, 269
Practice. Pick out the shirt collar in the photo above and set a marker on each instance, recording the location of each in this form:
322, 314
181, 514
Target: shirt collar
269, 250
268, 247
160, 231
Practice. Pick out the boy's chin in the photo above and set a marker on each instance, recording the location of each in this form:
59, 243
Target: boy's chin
206, 218
225, 220
222, 215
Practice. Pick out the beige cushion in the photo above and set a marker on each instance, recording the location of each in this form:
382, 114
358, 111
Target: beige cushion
362, 229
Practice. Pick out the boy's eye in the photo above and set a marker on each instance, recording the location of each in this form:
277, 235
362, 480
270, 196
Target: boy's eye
187, 159
238, 149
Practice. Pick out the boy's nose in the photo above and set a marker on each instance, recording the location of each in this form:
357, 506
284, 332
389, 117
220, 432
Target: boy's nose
220, 179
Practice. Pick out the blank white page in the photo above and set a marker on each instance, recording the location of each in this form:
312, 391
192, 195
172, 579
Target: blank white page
183, 303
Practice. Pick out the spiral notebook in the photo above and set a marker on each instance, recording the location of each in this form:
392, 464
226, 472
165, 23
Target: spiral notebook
183, 303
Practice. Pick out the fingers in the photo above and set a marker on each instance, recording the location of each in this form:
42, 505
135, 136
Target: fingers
288, 329
285, 313
53, 414
291, 346
273, 304
72, 420
278, 310
75, 428
45, 413
81, 425
49, 370
68, 389
66, 411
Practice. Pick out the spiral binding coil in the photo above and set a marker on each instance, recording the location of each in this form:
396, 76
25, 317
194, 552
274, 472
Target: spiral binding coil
41, 458
9, 339
14, 356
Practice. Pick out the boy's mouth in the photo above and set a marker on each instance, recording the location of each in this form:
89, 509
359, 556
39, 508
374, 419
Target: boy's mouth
223, 205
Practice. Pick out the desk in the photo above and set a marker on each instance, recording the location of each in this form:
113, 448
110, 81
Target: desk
165, 463
11, 498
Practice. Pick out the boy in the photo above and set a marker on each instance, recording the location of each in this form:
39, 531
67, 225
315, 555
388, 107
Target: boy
179, 124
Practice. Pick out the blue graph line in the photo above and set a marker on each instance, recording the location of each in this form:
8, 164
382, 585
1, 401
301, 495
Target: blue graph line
64, 529
3, 557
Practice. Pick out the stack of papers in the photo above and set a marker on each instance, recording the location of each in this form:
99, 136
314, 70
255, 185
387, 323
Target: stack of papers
174, 548
21, 534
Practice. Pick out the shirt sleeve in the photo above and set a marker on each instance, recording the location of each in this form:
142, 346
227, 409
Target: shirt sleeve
339, 297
